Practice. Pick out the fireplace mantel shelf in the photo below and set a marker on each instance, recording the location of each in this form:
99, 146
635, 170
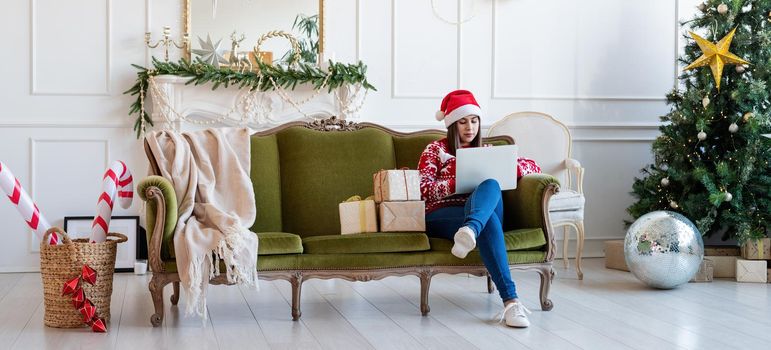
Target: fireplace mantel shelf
227, 106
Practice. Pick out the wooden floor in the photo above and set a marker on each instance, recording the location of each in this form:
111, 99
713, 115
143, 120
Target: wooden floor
607, 310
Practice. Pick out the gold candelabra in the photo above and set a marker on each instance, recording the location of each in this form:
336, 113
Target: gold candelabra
166, 42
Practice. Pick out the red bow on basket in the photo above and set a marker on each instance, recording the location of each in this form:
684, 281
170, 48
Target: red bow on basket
80, 302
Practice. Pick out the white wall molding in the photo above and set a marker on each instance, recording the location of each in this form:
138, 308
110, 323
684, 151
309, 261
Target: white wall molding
34, 244
495, 95
395, 94
59, 124
36, 91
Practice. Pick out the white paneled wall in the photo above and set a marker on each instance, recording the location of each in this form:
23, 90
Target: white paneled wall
601, 66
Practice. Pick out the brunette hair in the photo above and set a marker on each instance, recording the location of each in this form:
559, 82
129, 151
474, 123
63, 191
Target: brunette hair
453, 139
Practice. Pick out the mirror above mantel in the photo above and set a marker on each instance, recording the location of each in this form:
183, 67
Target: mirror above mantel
219, 19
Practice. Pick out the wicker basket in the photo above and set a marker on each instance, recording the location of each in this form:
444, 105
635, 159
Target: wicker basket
60, 263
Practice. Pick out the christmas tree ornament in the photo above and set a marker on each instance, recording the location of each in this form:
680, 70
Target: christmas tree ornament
665, 182
728, 196
746, 117
88, 274
88, 311
740, 68
210, 52
701, 135
702, 7
71, 286
673, 204
705, 101
98, 326
716, 56
663, 249
733, 128
722, 9
78, 298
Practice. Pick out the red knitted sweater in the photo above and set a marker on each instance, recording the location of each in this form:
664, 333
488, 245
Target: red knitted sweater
437, 176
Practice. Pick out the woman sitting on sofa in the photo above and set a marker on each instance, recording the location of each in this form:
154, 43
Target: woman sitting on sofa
474, 219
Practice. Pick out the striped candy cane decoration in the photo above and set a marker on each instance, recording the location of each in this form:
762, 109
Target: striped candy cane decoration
117, 180
23, 203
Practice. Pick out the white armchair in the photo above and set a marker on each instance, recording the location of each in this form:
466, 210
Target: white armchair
548, 142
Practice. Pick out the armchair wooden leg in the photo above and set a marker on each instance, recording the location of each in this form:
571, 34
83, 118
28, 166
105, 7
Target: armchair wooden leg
490, 285
297, 284
579, 248
175, 296
157, 283
547, 274
565, 244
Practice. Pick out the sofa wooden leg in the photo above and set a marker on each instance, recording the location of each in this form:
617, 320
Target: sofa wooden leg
490, 285
425, 284
175, 296
156, 291
546, 274
297, 284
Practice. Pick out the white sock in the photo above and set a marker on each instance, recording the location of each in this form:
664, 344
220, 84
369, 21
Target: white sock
465, 241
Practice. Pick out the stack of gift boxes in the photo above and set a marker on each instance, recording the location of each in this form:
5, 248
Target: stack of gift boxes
396, 205
750, 263
753, 264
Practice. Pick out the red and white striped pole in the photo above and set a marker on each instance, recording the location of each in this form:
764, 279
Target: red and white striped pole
117, 180
23, 203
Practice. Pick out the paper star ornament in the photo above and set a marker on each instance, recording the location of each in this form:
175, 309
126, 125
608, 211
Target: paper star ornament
716, 56
210, 52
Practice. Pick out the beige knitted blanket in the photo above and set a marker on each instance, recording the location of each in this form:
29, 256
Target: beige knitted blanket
209, 170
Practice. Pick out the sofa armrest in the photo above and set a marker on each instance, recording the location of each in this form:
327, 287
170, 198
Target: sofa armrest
528, 206
161, 218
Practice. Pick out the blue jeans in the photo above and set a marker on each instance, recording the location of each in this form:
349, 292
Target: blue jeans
483, 213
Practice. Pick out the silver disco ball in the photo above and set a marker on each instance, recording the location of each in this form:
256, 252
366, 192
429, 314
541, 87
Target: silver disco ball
663, 249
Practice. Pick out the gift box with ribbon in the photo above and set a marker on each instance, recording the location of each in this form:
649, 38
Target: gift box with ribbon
408, 216
757, 249
397, 185
358, 215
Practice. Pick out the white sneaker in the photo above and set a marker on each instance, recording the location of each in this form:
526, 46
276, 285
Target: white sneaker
465, 241
515, 315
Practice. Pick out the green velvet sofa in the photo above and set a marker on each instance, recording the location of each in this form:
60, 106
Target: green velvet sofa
301, 171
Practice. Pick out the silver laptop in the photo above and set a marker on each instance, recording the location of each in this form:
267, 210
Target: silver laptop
476, 164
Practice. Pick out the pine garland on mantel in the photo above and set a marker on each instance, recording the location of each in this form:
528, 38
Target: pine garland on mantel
202, 73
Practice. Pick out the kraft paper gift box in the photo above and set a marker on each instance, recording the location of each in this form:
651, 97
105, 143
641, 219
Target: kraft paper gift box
396, 185
705, 273
721, 251
724, 266
614, 255
406, 216
751, 271
757, 249
357, 216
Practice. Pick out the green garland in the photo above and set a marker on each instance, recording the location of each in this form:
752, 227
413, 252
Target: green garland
201, 73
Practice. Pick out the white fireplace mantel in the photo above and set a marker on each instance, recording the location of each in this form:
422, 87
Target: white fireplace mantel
192, 105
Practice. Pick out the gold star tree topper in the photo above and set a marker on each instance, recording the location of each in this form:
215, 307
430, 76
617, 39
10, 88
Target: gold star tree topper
715, 55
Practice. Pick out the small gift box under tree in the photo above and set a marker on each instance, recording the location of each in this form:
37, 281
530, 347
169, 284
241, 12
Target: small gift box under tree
757, 249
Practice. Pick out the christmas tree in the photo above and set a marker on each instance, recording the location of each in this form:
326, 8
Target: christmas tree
711, 161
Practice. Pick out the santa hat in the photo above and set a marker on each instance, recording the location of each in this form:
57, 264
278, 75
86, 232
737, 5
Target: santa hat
456, 105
